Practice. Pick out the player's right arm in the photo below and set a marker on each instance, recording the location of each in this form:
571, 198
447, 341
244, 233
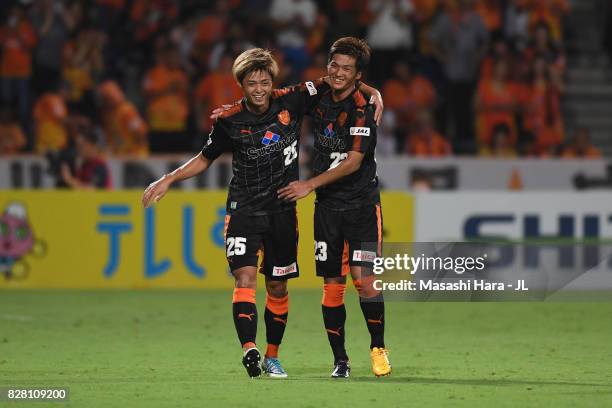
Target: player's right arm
159, 188
218, 142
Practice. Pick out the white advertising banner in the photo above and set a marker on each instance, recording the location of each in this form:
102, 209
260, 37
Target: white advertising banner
556, 232
459, 216
465, 174
494, 174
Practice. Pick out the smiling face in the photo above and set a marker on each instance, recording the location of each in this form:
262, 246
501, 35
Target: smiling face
257, 88
343, 73
16, 238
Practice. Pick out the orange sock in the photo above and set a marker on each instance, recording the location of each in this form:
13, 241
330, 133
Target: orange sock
333, 294
272, 351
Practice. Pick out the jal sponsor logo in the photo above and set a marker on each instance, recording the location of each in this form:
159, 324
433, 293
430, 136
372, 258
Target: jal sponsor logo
360, 131
284, 270
364, 256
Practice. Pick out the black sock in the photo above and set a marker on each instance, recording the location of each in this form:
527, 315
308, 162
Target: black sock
374, 314
334, 318
275, 327
245, 320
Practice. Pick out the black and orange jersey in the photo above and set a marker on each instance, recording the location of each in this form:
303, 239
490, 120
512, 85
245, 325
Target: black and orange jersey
341, 127
264, 147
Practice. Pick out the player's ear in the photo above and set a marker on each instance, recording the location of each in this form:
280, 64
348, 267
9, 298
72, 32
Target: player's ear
358, 76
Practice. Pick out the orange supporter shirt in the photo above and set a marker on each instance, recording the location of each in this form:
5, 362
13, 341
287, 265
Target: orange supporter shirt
126, 130
214, 90
549, 11
591, 153
407, 99
497, 104
77, 78
210, 29
49, 114
491, 15
12, 139
543, 116
167, 108
432, 145
17, 47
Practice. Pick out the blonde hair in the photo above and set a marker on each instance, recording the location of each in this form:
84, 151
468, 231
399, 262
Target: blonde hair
255, 59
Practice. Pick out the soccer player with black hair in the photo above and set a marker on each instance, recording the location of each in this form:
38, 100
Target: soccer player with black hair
262, 132
348, 215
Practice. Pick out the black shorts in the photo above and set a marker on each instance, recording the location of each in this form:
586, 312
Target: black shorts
346, 238
275, 235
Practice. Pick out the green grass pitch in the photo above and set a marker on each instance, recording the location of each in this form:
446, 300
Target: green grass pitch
179, 348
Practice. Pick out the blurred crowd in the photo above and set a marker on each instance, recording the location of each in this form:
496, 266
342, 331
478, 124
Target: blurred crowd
134, 77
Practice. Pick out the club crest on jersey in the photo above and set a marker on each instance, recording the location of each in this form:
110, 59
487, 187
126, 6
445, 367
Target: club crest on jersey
360, 131
284, 117
270, 138
342, 119
329, 130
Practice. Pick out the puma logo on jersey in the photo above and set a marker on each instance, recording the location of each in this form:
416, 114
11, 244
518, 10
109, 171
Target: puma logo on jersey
246, 316
360, 131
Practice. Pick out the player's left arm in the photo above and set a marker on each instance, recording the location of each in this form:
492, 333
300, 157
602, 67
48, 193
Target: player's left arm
313, 90
303, 96
361, 137
375, 99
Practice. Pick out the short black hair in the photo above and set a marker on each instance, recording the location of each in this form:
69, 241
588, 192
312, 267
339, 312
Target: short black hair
353, 47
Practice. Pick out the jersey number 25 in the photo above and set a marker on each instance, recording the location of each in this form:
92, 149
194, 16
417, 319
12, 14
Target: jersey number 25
290, 153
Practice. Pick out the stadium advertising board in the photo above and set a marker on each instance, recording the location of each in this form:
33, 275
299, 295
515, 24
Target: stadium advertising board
453, 173
58, 239
564, 233
514, 216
